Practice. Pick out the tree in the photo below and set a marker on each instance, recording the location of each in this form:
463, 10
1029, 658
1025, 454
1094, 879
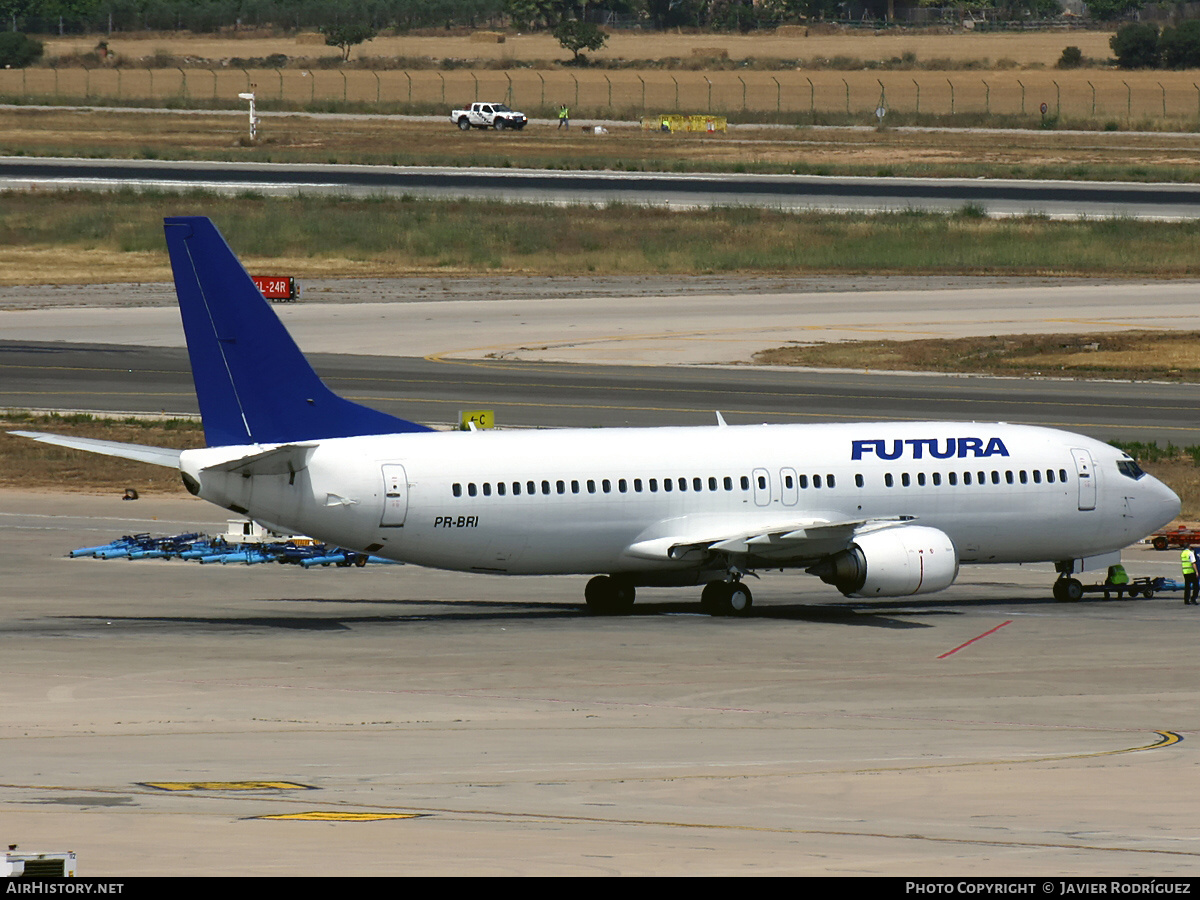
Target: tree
347, 36
18, 50
1110, 10
576, 36
1136, 46
1181, 45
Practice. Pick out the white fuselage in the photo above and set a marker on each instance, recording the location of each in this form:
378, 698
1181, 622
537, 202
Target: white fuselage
575, 501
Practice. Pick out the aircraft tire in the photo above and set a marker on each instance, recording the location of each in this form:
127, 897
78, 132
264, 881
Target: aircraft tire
727, 598
1068, 590
608, 596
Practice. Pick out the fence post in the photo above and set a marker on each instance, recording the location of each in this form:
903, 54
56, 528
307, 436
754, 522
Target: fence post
183, 91
951, 83
987, 97
643, 81
279, 72
151, 71
812, 99
609, 83
443, 77
709, 93
576, 80
87, 83
345, 84
55, 68
377, 85
409, 77
1128, 100
1022, 96
918, 87
1057, 100
676, 80
212, 72
1197, 87
847, 84
742, 80
778, 92
1093, 87
1164, 98
476, 80
508, 97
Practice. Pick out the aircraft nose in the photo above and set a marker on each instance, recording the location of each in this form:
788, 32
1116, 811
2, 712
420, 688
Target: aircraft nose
1164, 504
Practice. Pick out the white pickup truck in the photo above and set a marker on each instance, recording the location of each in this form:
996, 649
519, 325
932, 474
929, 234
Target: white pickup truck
488, 115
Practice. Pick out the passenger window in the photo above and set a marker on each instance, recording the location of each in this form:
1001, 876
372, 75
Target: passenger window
966, 477
983, 477
712, 483
953, 478
591, 486
1008, 477
545, 487
937, 479
787, 481
457, 490
904, 480
501, 487
920, 479
487, 489
1024, 476
995, 477
668, 485
762, 482
574, 486
829, 482
530, 487
1037, 476
1049, 476
858, 481
683, 484
606, 486
516, 489
560, 486
1062, 475
728, 483
697, 484
471, 489
622, 485
637, 485
654, 485
804, 482
887, 480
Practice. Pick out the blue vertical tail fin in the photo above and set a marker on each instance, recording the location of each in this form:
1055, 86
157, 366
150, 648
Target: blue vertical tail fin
253, 383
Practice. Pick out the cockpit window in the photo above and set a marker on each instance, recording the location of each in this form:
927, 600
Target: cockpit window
1129, 469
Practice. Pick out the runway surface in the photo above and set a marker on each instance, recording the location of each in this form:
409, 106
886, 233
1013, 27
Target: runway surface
982, 731
1058, 199
112, 378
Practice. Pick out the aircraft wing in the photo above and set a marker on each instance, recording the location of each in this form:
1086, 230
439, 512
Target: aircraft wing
158, 456
800, 538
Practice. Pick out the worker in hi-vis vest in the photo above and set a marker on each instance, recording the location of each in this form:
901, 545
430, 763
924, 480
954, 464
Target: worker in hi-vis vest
1191, 580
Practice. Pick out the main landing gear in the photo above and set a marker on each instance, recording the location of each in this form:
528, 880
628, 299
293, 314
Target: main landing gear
726, 598
612, 595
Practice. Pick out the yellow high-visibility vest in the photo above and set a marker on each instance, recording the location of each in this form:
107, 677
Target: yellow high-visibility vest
1187, 561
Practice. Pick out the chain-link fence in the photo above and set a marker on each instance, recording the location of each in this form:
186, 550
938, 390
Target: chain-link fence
1153, 98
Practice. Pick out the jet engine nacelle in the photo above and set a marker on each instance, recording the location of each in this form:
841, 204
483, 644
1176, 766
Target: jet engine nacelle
892, 562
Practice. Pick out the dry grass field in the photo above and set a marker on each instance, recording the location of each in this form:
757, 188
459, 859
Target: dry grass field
1033, 49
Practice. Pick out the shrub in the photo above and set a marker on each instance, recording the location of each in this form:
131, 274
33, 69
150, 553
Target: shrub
18, 50
1072, 58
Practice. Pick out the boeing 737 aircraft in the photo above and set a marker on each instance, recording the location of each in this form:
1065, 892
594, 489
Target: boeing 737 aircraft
876, 510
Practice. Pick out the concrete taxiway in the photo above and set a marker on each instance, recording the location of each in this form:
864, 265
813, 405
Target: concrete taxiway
982, 731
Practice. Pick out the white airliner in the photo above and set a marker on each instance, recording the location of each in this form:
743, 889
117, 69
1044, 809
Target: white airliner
876, 510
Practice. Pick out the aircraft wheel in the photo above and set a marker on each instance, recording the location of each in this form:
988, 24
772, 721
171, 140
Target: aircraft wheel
726, 598
1068, 590
608, 596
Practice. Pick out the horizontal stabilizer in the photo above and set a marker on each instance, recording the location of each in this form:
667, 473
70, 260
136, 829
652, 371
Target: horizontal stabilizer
156, 456
279, 461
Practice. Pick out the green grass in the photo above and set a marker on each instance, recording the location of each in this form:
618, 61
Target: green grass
411, 234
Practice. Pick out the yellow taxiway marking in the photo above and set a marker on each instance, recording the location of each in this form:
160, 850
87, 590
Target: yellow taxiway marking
228, 786
341, 816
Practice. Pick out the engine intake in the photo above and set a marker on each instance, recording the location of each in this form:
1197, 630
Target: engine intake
892, 562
